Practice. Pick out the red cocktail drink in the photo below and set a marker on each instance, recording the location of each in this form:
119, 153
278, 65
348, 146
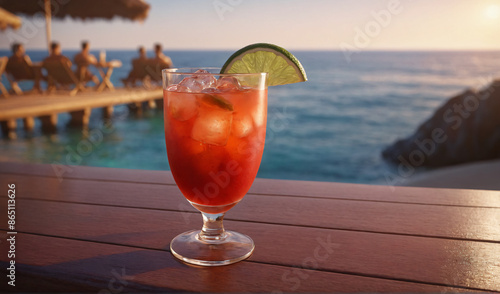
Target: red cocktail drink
215, 128
215, 142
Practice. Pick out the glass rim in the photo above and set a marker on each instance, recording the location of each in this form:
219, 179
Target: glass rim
190, 71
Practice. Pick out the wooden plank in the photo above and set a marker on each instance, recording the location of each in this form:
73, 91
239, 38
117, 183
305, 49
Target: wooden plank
485, 176
467, 264
108, 267
36, 106
476, 198
12, 169
440, 221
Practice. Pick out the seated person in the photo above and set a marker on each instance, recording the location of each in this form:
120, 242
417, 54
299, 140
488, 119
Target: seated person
82, 60
56, 55
138, 71
160, 58
20, 67
157, 63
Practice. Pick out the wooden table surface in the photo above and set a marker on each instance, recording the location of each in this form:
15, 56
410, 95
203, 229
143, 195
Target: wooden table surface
108, 230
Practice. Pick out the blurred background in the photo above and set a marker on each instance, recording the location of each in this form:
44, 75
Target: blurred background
376, 69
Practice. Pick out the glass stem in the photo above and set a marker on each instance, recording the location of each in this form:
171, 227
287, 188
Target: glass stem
212, 230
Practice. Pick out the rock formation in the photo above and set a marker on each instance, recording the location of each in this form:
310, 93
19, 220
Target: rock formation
466, 128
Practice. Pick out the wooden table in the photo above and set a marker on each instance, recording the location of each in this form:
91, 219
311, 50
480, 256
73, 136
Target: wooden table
105, 70
108, 230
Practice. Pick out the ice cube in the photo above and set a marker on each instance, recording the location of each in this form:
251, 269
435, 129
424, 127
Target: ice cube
182, 106
205, 78
228, 84
189, 85
172, 88
209, 90
259, 117
197, 82
258, 109
242, 126
193, 147
212, 126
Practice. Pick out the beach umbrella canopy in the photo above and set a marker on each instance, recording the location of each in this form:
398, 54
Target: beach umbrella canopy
79, 9
8, 19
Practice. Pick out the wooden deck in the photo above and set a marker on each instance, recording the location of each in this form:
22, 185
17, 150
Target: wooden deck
46, 107
101, 229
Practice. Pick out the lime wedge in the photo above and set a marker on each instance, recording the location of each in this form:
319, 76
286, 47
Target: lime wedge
217, 101
282, 67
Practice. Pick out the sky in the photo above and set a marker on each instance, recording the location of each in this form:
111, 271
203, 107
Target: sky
293, 24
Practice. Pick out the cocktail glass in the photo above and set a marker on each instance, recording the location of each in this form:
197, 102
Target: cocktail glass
215, 128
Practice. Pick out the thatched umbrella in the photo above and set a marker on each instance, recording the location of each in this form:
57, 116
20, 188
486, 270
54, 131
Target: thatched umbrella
8, 19
79, 9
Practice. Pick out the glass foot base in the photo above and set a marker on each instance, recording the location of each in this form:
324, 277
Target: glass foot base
190, 248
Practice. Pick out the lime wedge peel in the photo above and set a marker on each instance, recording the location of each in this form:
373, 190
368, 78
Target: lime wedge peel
217, 101
282, 67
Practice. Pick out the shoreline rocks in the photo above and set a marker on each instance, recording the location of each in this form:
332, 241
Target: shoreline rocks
465, 129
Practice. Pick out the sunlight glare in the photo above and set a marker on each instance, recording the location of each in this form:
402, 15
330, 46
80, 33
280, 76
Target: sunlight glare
493, 12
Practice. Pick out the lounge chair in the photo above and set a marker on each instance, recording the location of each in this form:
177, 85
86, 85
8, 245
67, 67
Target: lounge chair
146, 71
82, 73
3, 64
137, 73
22, 70
60, 73
153, 69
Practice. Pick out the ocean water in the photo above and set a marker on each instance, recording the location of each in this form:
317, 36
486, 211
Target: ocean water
331, 128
